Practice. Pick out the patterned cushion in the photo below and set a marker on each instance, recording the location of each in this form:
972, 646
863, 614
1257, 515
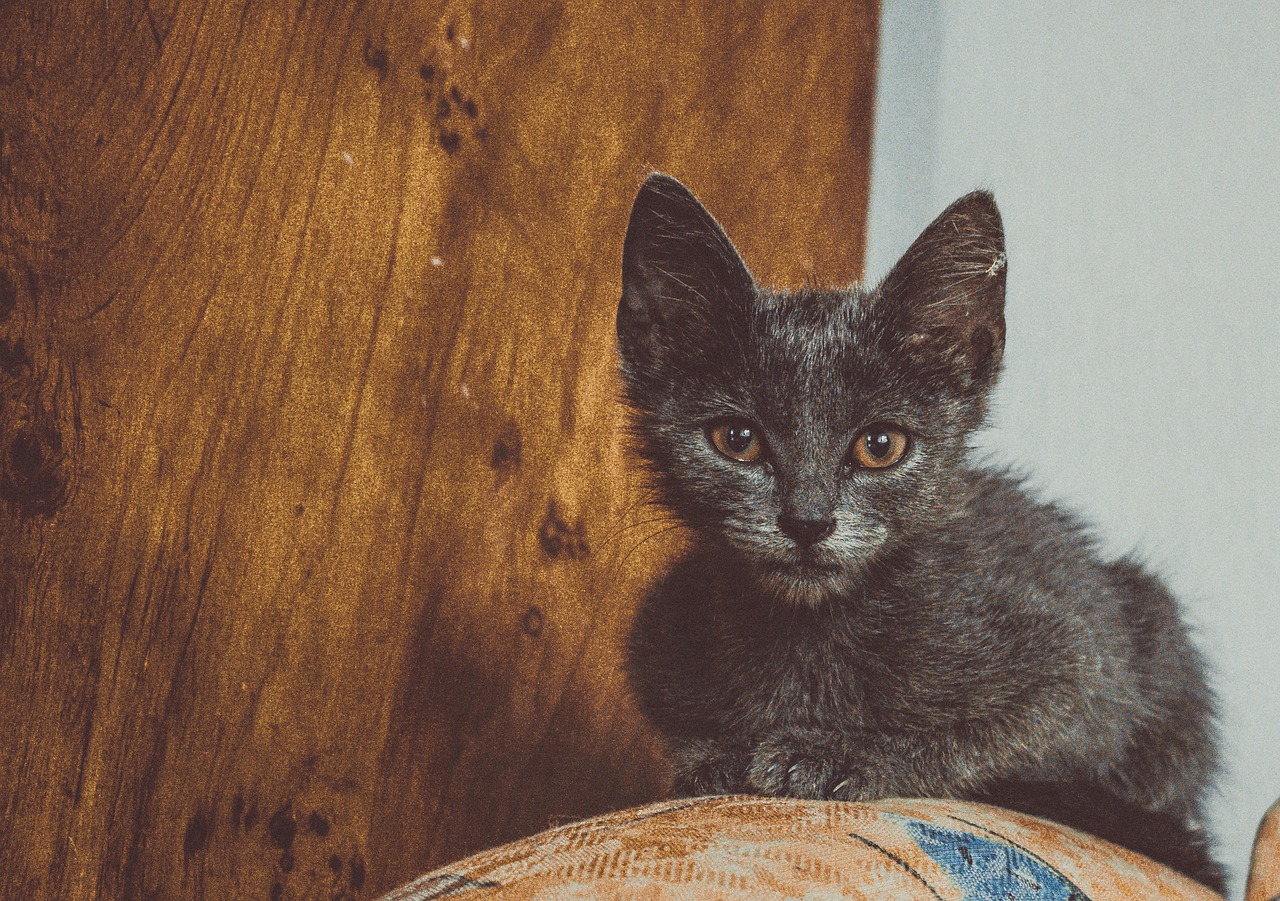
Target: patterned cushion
748, 848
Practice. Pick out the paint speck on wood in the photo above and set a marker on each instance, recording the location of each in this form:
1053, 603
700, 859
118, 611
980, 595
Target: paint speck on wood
560, 539
282, 828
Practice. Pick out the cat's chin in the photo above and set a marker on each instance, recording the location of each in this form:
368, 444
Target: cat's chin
805, 586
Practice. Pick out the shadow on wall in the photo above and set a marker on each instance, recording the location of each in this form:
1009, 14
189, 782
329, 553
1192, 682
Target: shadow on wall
904, 147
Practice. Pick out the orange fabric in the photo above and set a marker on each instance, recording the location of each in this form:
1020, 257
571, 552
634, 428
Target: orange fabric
1264, 872
740, 848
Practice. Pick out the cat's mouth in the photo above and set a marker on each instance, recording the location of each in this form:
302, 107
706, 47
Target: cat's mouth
810, 565
809, 560
804, 577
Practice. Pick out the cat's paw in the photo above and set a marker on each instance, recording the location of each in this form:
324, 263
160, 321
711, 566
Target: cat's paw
779, 771
820, 765
709, 768
801, 766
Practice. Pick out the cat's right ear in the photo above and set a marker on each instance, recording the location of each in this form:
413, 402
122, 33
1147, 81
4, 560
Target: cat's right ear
682, 279
943, 303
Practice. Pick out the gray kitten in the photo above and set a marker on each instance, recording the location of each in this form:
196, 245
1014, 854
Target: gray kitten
863, 613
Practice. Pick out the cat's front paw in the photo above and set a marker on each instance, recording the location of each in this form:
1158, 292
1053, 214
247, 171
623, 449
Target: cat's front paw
796, 765
709, 768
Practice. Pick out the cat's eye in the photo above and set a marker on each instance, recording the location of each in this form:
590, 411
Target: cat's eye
738, 440
879, 447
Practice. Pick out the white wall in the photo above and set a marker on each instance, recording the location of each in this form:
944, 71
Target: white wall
1134, 149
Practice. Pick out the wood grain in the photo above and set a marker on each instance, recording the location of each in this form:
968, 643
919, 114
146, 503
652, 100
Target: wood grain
318, 532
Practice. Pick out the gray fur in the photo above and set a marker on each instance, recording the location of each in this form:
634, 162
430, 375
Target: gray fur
952, 636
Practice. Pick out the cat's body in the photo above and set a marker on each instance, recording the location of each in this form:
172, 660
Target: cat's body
862, 613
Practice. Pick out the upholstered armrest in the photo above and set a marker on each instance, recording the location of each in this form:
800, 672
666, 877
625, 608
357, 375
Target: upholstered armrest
1264, 872
751, 848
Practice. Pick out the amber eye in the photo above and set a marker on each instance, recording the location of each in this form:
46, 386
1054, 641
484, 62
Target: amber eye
738, 440
879, 446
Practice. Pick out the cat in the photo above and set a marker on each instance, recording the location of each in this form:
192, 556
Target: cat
862, 612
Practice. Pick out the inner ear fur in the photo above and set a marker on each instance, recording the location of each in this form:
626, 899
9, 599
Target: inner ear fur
943, 302
683, 282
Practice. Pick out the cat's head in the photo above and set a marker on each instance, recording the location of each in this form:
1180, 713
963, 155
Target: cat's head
810, 431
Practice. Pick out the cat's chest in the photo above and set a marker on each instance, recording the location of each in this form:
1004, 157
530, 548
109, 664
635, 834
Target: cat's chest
797, 677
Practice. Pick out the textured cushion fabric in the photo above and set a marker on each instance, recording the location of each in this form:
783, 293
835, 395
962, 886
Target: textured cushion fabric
744, 848
1264, 871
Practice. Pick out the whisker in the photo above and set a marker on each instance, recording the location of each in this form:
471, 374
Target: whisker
626, 557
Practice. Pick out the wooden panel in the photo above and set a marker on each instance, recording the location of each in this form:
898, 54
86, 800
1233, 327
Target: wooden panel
317, 530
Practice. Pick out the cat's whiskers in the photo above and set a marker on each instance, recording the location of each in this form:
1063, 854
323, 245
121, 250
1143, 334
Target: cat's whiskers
626, 556
629, 522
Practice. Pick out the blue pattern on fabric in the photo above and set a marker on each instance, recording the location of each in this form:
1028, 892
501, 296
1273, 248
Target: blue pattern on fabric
990, 870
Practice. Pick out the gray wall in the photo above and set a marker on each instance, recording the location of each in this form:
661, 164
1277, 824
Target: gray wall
1134, 150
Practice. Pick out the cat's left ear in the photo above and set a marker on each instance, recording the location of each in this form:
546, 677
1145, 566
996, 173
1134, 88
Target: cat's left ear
942, 305
684, 286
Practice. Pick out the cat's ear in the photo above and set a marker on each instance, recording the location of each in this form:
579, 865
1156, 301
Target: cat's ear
683, 283
942, 305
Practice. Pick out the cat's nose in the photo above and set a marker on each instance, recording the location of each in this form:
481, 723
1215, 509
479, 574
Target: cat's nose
805, 531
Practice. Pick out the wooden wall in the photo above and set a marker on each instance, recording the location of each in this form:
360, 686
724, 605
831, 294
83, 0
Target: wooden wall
317, 531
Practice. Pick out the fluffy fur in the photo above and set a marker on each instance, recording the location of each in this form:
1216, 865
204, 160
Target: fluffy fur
950, 636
